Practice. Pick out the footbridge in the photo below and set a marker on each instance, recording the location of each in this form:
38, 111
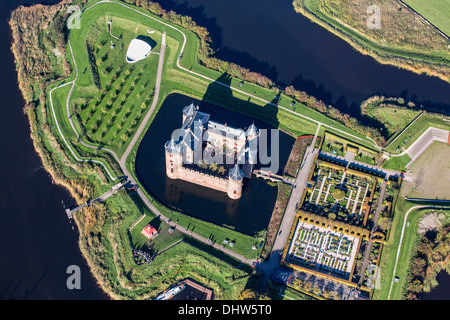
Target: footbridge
103, 197
267, 175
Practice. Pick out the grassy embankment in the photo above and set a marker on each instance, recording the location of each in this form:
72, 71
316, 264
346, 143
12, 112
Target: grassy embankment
404, 39
388, 257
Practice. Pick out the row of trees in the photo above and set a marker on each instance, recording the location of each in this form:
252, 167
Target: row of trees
213, 167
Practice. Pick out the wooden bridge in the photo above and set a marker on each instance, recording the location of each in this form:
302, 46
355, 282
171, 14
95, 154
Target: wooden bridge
114, 189
267, 175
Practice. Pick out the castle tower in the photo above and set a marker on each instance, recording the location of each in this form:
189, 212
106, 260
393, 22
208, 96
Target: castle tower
251, 150
188, 111
252, 132
235, 182
174, 159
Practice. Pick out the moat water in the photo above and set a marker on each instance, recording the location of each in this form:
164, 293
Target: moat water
267, 36
249, 214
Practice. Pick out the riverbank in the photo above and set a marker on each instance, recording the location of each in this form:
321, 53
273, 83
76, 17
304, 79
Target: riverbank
403, 40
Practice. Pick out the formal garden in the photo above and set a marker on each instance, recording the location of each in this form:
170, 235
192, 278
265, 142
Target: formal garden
319, 248
339, 194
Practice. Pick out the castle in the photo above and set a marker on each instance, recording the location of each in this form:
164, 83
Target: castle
230, 153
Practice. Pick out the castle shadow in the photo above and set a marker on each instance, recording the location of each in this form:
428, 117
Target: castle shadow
219, 93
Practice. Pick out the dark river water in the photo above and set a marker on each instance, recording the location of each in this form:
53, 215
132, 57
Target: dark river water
37, 242
269, 37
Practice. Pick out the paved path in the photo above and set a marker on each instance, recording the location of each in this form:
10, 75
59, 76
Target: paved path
365, 263
269, 266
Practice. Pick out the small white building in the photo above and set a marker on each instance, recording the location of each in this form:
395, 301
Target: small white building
138, 50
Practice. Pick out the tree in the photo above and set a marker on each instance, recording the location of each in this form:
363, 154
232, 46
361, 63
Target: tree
384, 223
222, 170
202, 164
213, 167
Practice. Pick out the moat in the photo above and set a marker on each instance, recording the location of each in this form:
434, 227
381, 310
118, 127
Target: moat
249, 214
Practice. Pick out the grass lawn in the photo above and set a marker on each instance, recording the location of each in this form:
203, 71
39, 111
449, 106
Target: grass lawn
407, 137
435, 11
394, 119
389, 253
430, 169
401, 35
397, 163
111, 95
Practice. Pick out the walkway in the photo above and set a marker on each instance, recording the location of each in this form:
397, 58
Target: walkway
365, 263
424, 141
101, 198
269, 266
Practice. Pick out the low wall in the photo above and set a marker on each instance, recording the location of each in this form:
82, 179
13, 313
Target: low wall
203, 179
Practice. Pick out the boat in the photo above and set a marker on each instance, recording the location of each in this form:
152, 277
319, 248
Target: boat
169, 294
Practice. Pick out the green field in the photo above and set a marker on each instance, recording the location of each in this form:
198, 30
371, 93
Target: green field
408, 136
394, 119
435, 11
403, 40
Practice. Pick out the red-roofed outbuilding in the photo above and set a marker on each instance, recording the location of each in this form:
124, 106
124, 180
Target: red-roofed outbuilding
149, 232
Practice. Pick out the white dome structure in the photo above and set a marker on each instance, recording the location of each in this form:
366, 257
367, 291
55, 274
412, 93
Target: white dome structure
138, 50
